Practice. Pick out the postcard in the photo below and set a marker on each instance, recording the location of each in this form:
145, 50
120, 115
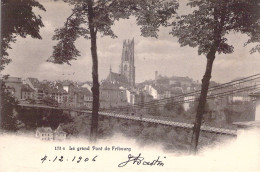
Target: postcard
130, 85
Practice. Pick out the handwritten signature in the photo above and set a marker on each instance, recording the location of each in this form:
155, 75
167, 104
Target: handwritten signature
139, 160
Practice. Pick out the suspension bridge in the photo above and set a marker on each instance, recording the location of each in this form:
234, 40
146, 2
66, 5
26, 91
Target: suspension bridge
136, 114
142, 119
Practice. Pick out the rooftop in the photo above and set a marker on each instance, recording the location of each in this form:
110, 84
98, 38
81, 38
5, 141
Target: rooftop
26, 87
117, 77
83, 90
12, 79
35, 82
44, 129
109, 86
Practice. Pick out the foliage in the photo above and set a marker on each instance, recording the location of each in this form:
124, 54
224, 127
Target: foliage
172, 106
194, 106
91, 17
31, 101
33, 118
71, 129
50, 101
212, 20
150, 15
8, 105
18, 19
154, 109
206, 28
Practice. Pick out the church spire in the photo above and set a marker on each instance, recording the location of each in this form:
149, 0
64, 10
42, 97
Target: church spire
127, 67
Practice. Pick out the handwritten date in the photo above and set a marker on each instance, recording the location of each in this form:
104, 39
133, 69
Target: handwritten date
76, 159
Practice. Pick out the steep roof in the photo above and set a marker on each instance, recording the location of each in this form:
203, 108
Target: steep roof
27, 88
83, 90
162, 79
12, 79
44, 129
59, 130
181, 78
52, 89
59, 86
88, 82
117, 77
35, 82
109, 86
67, 83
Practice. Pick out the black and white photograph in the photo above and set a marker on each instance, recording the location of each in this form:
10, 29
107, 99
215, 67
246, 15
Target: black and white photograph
130, 85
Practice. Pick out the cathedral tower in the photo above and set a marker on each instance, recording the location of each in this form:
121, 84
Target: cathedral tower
127, 67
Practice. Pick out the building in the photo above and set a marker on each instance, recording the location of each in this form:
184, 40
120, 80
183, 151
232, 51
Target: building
188, 101
112, 95
67, 85
141, 98
127, 67
35, 84
54, 91
59, 134
162, 91
119, 88
117, 78
83, 97
152, 91
181, 81
46, 133
87, 85
255, 95
131, 96
27, 92
14, 86
40, 92
71, 96
126, 75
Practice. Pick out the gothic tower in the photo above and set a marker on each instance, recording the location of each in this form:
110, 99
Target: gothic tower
127, 67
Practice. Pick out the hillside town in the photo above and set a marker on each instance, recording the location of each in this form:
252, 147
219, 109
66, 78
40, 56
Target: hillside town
93, 83
120, 89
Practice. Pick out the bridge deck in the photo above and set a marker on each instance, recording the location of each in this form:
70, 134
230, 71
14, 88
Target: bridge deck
174, 124
138, 118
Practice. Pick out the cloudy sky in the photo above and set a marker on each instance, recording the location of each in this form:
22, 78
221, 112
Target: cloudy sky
163, 54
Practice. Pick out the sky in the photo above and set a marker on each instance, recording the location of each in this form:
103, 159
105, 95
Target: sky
163, 54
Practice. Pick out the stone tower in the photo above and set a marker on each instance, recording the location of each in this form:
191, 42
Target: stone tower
127, 67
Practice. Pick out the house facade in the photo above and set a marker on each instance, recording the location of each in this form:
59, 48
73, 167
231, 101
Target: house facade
14, 86
47, 134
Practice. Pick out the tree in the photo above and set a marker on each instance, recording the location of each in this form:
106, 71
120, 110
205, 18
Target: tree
206, 28
91, 17
8, 104
18, 19
154, 109
50, 101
